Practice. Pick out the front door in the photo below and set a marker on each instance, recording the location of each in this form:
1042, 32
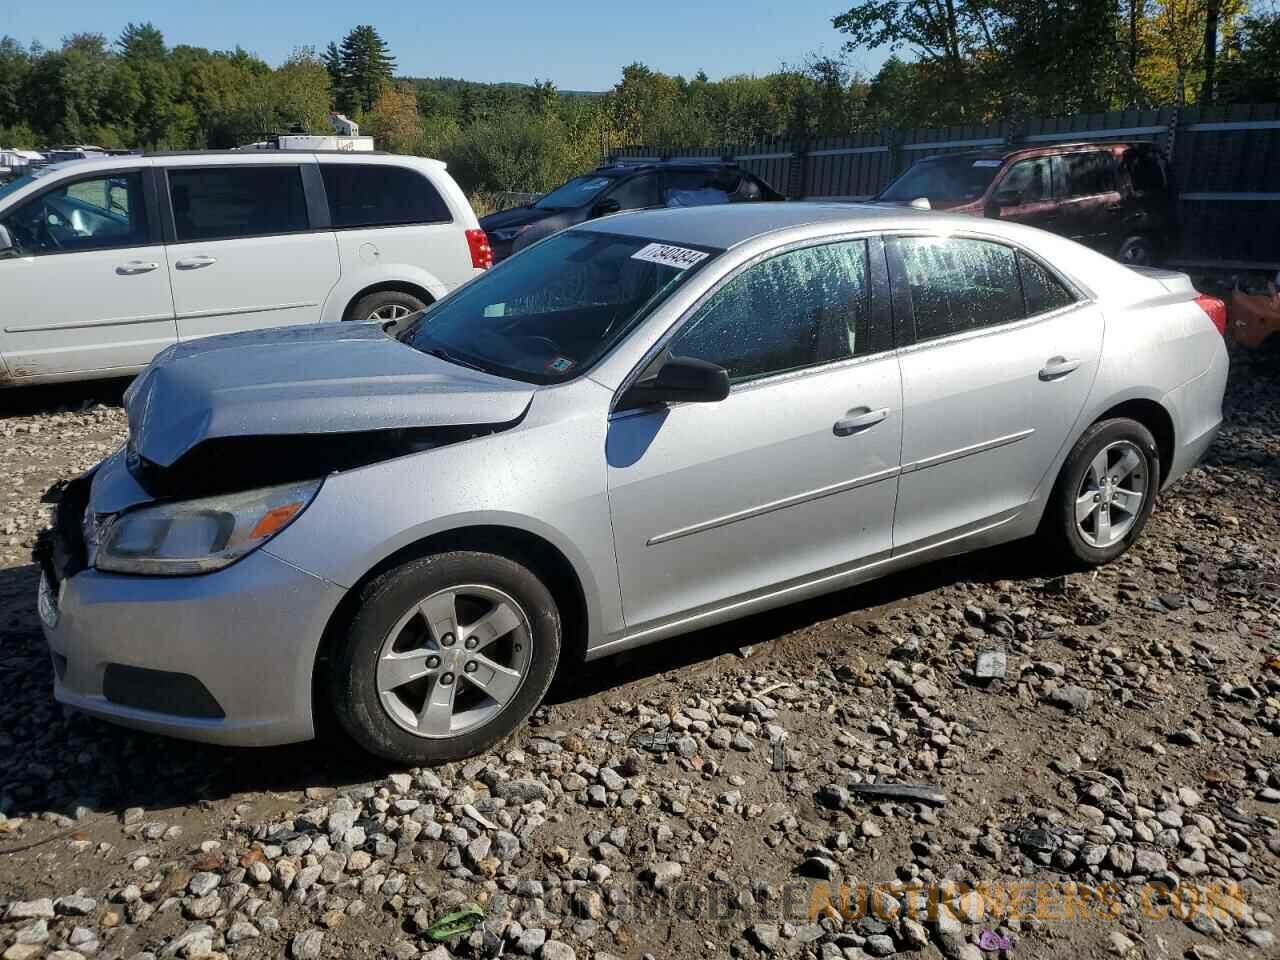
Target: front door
86, 286
993, 386
795, 473
244, 254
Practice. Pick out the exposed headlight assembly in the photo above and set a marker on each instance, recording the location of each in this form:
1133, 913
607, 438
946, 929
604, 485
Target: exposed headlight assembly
199, 536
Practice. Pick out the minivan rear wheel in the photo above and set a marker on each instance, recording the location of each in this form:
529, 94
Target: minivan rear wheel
386, 306
445, 656
1104, 494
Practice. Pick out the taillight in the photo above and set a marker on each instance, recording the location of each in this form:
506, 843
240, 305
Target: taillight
481, 252
1216, 310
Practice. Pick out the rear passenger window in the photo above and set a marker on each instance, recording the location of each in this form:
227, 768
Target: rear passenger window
795, 310
1087, 174
374, 195
959, 285
1043, 291
216, 203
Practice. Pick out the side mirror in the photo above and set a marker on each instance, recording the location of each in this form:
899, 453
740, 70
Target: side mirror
6, 242
607, 205
679, 380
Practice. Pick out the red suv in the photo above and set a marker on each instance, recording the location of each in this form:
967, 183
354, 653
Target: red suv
1114, 197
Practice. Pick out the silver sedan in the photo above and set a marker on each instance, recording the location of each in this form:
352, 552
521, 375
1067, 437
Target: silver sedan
635, 428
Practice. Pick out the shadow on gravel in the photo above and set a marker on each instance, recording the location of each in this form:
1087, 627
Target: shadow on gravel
52, 762
55, 397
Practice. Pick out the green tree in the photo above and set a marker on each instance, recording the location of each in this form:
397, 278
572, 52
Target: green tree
141, 41
367, 65
332, 60
15, 65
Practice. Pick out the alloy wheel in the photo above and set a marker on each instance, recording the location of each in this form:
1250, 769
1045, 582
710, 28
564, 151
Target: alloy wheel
454, 661
390, 311
1111, 494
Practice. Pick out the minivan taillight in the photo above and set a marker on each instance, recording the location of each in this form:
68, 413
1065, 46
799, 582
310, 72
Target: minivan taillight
1216, 310
481, 252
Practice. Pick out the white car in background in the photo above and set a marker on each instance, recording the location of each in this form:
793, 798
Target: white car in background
105, 262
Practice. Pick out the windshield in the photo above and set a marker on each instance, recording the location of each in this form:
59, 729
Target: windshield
576, 193
956, 179
549, 313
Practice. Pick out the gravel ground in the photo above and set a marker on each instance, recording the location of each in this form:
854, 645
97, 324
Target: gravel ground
709, 797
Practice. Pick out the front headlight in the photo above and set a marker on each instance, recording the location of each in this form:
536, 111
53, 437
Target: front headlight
510, 233
198, 536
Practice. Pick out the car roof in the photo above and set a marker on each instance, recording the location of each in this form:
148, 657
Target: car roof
625, 166
233, 157
1032, 149
723, 226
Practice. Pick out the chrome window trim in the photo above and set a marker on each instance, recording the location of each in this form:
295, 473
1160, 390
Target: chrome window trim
1085, 297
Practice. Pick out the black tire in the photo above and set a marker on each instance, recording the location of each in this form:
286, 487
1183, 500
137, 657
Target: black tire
384, 601
1137, 251
368, 305
1059, 529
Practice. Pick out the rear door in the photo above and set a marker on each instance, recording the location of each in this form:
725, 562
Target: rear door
1091, 204
993, 385
247, 249
86, 288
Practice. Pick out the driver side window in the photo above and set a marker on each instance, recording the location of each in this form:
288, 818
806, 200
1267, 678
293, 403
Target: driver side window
93, 214
799, 309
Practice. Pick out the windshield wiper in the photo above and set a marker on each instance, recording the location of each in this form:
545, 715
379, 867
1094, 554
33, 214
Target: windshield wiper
440, 353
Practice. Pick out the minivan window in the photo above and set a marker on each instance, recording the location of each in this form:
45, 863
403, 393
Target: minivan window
91, 214
798, 309
959, 284
379, 195
550, 313
215, 203
1087, 174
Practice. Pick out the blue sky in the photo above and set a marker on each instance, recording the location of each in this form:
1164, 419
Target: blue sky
580, 45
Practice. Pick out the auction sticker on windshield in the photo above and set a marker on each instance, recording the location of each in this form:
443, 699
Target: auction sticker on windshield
682, 258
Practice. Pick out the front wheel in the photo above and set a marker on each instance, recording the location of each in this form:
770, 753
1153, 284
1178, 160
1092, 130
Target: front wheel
1105, 493
1137, 251
445, 656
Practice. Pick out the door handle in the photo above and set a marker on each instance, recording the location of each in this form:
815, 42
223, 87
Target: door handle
195, 263
1057, 367
134, 267
859, 419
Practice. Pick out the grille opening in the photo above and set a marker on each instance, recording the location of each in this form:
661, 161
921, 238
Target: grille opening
159, 691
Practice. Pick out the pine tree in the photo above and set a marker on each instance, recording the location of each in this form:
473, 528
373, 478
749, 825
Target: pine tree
141, 41
367, 66
332, 60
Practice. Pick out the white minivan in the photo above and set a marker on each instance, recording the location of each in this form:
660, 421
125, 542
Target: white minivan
105, 262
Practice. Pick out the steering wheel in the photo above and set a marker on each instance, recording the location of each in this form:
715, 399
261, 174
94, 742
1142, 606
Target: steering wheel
43, 233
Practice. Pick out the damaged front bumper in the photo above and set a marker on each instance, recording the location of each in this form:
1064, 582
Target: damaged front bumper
224, 657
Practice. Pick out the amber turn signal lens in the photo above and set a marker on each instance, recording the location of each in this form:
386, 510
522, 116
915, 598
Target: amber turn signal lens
273, 521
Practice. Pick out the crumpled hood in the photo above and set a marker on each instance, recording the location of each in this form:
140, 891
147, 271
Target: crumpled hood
313, 379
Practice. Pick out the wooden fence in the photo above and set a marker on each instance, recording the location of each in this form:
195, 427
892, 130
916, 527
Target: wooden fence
1224, 163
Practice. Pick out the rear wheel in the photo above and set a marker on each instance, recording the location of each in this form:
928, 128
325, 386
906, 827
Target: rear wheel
1105, 493
445, 656
386, 306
